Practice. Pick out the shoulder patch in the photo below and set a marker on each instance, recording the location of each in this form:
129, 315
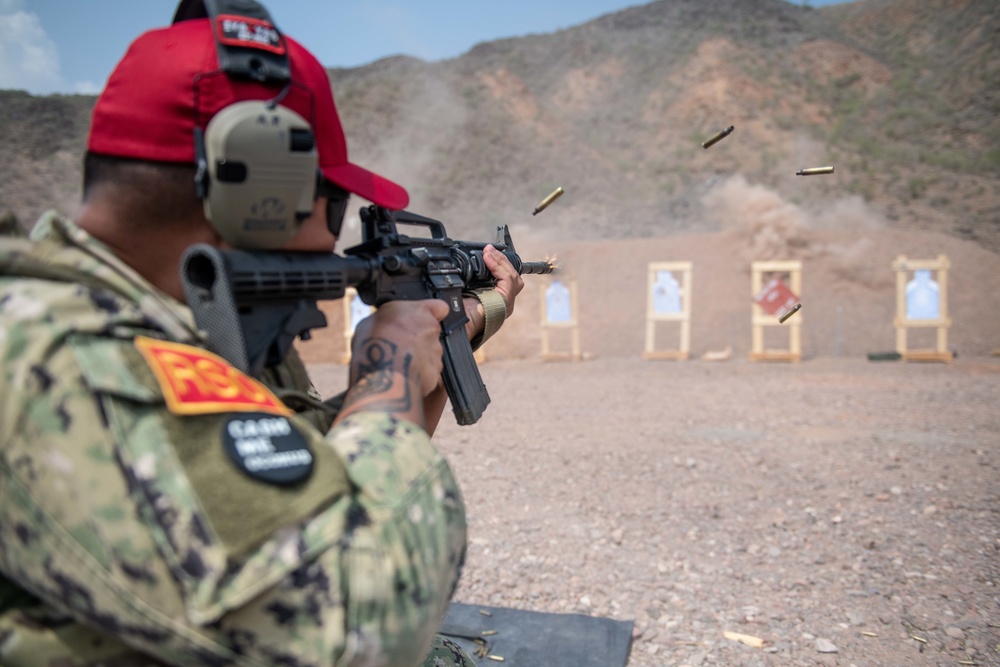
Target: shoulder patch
196, 382
267, 448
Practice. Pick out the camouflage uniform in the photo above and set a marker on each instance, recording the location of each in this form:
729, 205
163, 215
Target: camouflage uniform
127, 531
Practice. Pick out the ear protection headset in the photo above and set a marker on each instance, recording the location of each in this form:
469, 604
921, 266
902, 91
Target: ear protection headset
257, 173
257, 160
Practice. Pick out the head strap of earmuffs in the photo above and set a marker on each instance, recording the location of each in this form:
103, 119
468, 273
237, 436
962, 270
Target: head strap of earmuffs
249, 44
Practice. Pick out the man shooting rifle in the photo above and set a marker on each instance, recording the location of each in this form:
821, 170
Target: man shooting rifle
159, 505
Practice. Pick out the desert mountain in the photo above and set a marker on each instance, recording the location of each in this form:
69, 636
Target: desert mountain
901, 96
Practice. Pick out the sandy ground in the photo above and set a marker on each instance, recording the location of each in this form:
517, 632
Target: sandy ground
843, 511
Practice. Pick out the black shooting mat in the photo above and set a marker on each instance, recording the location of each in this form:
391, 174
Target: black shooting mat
538, 639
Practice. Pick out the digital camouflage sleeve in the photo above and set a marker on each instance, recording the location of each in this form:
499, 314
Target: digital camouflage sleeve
153, 498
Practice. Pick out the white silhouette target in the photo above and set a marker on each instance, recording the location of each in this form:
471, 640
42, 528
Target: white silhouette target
557, 303
923, 297
666, 294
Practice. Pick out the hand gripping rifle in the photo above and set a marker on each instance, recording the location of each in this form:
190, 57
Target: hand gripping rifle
254, 304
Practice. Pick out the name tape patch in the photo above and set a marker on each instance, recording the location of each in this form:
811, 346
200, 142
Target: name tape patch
267, 448
197, 382
249, 33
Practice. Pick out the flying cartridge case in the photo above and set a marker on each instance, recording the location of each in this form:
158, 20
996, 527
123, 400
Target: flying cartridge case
791, 312
719, 136
556, 194
814, 171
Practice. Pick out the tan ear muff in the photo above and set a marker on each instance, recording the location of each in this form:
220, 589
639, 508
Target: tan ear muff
260, 164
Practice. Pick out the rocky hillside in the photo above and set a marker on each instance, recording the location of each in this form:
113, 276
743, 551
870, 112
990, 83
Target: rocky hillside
901, 96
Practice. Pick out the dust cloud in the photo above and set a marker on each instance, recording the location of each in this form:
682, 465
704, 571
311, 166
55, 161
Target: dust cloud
771, 228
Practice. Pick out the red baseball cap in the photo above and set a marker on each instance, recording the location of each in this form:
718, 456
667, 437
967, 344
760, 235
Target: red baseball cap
169, 83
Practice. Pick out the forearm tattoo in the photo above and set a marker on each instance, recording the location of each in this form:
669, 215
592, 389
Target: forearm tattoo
374, 376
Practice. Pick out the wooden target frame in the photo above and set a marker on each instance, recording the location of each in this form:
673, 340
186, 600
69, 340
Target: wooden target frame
942, 323
760, 319
683, 351
573, 354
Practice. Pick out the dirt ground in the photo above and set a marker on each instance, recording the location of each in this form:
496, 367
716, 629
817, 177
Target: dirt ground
844, 511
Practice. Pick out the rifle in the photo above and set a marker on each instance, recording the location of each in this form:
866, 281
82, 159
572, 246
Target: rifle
254, 304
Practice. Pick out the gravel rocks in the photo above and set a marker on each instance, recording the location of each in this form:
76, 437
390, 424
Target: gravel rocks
782, 501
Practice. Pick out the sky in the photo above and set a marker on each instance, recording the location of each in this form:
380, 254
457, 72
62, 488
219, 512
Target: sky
71, 46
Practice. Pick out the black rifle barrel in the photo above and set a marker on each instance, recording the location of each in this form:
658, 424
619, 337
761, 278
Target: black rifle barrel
536, 268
